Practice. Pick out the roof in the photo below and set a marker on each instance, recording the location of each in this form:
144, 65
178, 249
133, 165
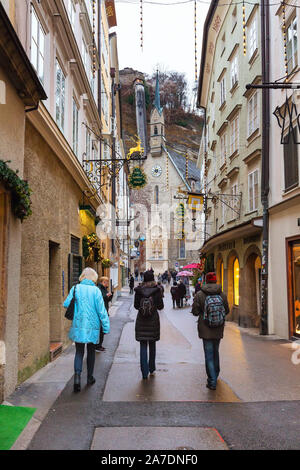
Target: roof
179, 162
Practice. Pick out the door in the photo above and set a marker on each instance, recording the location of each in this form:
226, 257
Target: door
294, 287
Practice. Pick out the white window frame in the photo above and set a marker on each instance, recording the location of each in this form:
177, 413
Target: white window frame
253, 190
234, 200
84, 54
38, 45
293, 58
222, 90
234, 134
75, 126
252, 37
253, 114
88, 141
223, 145
234, 75
60, 94
72, 13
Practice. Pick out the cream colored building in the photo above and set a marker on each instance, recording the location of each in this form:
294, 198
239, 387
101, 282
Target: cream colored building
230, 155
62, 142
20, 90
284, 199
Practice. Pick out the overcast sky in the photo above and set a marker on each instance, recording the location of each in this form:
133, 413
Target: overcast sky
168, 32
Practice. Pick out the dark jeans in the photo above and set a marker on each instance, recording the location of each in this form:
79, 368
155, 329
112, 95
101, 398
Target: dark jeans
212, 360
174, 303
181, 302
146, 366
79, 358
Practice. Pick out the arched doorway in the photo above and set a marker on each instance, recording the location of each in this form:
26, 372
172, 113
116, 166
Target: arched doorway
251, 291
233, 291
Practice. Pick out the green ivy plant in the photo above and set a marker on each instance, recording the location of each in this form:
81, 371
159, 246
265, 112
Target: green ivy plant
20, 191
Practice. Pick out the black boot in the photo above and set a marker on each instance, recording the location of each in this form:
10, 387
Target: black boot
77, 387
91, 380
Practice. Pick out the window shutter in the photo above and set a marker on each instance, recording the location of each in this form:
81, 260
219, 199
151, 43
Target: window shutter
291, 177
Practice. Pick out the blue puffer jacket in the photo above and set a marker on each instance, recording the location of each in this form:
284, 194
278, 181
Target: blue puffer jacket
89, 313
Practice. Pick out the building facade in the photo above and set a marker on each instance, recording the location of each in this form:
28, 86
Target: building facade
20, 91
63, 143
230, 154
284, 199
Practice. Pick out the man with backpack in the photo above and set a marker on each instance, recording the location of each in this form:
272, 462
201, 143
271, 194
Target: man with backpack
211, 306
148, 300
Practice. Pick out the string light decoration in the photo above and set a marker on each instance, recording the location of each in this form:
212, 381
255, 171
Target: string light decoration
196, 61
186, 166
244, 29
142, 26
284, 40
167, 172
94, 35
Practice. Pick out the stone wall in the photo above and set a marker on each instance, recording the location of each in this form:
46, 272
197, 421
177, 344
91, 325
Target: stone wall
46, 244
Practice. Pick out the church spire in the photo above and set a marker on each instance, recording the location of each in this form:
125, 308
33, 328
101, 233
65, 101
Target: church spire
157, 95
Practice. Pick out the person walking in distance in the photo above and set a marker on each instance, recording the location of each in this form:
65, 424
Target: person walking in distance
181, 292
89, 314
131, 284
148, 300
107, 297
211, 306
175, 294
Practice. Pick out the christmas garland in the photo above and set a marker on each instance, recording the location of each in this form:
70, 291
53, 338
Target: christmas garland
106, 263
20, 191
137, 178
91, 248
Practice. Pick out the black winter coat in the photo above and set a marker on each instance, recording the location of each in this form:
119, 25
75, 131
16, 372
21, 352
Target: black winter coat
181, 290
106, 299
148, 329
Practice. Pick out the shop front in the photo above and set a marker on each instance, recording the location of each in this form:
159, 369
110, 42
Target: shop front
293, 256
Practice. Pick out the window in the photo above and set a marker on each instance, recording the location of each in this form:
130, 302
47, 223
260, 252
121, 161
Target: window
252, 114
223, 149
88, 145
252, 35
156, 195
234, 71
234, 18
223, 210
234, 201
182, 249
292, 45
222, 91
253, 190
60, 97
290, 153
84, 53
104, 101
234, 135
106, 150
75, 128
236, 282
294, 280
71, 13
37, 45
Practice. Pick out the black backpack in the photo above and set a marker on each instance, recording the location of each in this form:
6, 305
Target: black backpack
147, 307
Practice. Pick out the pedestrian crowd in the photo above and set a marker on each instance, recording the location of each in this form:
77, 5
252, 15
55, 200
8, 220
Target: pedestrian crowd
88, 305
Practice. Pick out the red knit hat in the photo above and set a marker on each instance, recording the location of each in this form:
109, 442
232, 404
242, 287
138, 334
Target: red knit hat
211, 277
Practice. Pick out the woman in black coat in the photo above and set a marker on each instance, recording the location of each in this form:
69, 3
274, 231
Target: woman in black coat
181, 292
147, 327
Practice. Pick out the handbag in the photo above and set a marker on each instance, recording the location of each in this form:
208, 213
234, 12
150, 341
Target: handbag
70, 310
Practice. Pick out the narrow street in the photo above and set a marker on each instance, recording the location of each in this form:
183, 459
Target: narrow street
255, 406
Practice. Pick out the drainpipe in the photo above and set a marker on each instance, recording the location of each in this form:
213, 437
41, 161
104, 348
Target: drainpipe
265, 184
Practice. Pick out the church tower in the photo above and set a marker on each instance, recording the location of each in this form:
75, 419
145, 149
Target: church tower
141, 121
157, 124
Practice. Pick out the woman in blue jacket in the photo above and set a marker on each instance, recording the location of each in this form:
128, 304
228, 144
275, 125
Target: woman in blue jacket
89, 314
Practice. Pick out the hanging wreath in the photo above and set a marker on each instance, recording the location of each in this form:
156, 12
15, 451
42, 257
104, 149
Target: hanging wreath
20, 191
106, 263
137, 178
91, 248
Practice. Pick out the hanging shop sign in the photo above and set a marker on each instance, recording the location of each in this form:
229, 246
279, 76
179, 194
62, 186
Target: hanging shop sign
111, 13
195, 202
137, 178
